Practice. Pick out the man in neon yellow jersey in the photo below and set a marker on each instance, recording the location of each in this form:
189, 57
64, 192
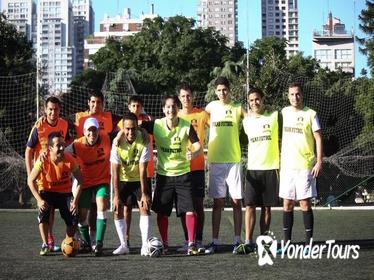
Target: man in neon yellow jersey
261, 179
224, 159
171, 135
300, 162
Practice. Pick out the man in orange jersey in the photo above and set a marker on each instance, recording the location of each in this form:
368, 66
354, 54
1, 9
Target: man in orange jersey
136, 107
93, 152
107, 123
200, 121
38, 142
50, 184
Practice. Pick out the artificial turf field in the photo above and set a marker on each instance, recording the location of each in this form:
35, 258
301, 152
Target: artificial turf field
20, 243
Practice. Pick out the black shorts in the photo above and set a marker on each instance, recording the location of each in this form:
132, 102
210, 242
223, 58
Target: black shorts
131, 197
170, 189
59, 201
261, 188
198, 183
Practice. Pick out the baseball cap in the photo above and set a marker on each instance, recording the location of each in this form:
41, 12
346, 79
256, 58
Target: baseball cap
91, 122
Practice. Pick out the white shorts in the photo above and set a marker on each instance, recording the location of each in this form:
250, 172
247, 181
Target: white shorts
297, 184
223, 176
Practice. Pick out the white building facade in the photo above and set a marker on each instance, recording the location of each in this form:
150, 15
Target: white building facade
221, 15
280, 19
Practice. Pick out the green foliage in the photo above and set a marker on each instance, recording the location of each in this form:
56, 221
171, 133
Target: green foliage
16, 53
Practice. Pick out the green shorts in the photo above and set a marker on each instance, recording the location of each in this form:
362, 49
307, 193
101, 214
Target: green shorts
87, 195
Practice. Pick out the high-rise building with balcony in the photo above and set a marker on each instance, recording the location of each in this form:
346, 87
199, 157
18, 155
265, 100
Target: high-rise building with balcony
280, 19
334, 46
221, 15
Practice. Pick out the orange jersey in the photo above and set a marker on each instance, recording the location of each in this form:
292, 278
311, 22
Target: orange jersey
38, 139
151, 162
93, 160
104, 119
56, 178
199, 120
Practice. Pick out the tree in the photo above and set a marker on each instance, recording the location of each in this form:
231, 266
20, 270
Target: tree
367, 26
165, 53
16, 53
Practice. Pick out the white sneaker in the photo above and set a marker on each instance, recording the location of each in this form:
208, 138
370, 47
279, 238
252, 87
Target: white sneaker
200, 247
144, 251
121, 250
184, 248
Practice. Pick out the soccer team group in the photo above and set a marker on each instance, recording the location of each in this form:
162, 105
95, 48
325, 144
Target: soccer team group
74, 175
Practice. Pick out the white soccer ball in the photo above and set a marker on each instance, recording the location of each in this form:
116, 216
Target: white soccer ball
155, 247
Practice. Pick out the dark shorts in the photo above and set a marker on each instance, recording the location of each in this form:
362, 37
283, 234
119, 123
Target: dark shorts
59, 201
133, 194
170, 189
261, 188
198, 183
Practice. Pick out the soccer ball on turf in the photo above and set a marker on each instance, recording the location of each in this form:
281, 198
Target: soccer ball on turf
69, 247
155, 247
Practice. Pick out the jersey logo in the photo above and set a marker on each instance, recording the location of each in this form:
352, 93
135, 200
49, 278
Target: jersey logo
266, 128
100, 152
176, 140
300, 121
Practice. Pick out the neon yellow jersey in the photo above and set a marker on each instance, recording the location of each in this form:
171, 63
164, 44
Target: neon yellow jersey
130, 155
297, 139
172, 147
263, 145
224, 146
199, 120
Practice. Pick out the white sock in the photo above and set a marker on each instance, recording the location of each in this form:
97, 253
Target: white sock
144, 224
121, 230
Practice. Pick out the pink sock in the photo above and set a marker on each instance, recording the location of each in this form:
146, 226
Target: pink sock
183, 221
191, 226
163, 224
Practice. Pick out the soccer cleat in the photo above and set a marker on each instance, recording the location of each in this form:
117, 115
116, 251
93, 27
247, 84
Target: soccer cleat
211, 248
184, 248
52, 247
235, 247
98, 251
93, 245
44, 250
200, 247
144, 251
244, 249
192, 250
121, 250
84, 248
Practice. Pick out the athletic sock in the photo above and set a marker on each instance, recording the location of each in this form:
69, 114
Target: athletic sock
144, 228
163, 224
183, 221
236, 239
121, 230
191, 227
84, 235
308, 224
100, 226
287, 225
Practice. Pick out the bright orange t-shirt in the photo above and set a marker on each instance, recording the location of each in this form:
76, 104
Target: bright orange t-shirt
104, 119
56, 178
93, 160
200, 121
151, 162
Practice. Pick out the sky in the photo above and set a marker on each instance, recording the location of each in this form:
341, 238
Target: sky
312, 15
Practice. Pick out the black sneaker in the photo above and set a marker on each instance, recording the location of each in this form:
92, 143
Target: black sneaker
98, 250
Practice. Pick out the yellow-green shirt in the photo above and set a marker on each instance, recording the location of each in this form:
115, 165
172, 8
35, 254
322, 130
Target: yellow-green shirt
224, 146
263, 141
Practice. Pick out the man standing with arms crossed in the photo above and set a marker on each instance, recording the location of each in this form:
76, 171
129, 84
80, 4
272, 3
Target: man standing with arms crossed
199, 120
224, 156
261, 180
300, 163
93, 153
38, 143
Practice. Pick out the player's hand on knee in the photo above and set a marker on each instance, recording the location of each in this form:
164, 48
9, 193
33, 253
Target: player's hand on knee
43, 205
145, 202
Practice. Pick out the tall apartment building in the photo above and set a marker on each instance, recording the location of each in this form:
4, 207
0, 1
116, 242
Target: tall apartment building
116, 27
222, 15
334, 46
280, 19
22, 13
84, 25
55, 44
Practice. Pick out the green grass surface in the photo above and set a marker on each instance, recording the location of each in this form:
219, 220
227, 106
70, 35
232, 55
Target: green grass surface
20, 244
